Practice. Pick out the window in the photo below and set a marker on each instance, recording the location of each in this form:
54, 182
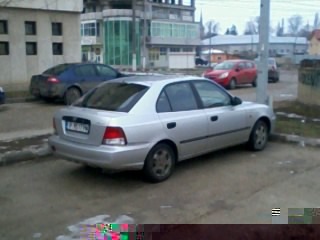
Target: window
56, 28
3, 27
106, 71
174, 30
241, 66
187, 49
118, 97
57, 70
181, 97
91, 29
31, 48
4, 48
57, 48
211, 96
174, 49
163, 104
85, 71
249, 65
163, 51
154, 54
30, 28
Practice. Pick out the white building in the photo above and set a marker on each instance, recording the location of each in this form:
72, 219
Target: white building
36, 35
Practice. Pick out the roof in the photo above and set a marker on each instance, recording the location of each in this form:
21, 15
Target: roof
315, 33
251, 39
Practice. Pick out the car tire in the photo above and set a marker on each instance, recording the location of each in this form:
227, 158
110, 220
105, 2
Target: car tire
259, 136
71, 95
254, 83
232, 84
159, 164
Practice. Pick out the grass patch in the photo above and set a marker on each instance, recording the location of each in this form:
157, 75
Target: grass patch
305, 127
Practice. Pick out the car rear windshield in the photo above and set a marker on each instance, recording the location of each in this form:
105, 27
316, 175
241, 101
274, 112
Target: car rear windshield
57, 70
117, 97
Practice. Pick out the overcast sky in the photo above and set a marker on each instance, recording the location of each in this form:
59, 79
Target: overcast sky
238, 12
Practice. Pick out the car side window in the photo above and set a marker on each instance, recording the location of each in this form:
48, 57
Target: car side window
249, 65
163, 104
181, 97
241, 66
85, 71
211, 96
106, 71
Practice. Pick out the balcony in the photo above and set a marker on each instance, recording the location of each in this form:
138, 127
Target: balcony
91, 40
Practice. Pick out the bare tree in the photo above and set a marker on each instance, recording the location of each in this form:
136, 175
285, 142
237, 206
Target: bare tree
212, 28
316, 22
250, 28
295, 24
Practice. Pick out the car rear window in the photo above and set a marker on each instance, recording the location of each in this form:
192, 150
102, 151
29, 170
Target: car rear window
117, 97
57, 70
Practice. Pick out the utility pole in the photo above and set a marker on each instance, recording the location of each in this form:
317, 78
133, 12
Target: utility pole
144, 35
134, 47
262, 81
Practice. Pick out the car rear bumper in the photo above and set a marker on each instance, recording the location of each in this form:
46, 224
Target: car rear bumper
49, 91
107, 157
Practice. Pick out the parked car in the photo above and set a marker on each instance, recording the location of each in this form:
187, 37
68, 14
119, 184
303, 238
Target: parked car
200, 61
273, 73
2, 96
150, 123
231, 73
70, 81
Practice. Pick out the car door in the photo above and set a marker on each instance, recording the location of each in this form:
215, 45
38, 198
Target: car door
241, 73
251, 73
182, 120
227, 124
86, 76
106, 73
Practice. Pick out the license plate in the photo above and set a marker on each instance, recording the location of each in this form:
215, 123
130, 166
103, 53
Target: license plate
77, 127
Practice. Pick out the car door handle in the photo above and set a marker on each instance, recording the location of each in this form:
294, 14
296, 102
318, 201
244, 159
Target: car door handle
171, 125
214, 118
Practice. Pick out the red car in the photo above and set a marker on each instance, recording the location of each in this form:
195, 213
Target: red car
231, 73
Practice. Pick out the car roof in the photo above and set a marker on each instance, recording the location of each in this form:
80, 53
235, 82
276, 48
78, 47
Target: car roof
151, 79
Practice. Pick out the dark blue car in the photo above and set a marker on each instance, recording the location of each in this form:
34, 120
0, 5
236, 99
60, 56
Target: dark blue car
2, 96
70, 81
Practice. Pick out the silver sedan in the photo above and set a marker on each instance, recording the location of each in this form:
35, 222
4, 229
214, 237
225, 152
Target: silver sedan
150, 123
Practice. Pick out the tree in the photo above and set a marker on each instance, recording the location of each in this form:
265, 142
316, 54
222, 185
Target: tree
305, 31
295, 24
279, 30
316, 22
227, 32
252, 26
212, 29
233, 30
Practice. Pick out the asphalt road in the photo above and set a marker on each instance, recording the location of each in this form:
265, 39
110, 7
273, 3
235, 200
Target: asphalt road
27, 119
49, 198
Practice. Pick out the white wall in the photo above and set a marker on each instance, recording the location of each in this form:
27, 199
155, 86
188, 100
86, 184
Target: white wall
181, 60
17, 68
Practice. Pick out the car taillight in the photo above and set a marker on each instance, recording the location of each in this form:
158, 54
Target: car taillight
114, 136
53, 80
54, 127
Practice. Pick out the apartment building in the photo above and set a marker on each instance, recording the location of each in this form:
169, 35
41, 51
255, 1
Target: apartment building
166, 33
36, 35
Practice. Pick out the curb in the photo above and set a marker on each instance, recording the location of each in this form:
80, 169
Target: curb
21, 100
32, 153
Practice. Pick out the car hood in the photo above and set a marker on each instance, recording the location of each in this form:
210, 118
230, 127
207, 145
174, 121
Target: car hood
215, 72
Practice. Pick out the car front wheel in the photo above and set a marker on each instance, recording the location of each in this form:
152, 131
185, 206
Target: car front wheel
232, 84
259, 136
159, 163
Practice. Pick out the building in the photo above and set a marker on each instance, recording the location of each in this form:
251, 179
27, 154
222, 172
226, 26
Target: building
36, 35
279, 46
166, 33
217, 56
314, 43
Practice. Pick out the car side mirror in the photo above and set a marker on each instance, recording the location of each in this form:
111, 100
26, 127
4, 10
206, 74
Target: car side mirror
236, 101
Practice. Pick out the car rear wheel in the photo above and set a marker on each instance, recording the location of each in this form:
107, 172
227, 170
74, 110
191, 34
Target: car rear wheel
254, 83
259, 136
72, 95
232, 84
159, 163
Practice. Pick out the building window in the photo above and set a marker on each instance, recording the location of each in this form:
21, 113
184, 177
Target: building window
90, 29
31, 48
154, 54
3, 27
31, 28
56, 28
57, 48
4, 48
163, 51
175, 30
174, 49
187, 50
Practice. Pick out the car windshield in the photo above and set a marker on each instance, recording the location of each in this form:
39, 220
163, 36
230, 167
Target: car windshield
224, 66
118, 97
57, 69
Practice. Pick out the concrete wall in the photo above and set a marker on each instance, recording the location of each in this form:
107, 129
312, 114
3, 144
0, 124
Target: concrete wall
181, 60
314, 46
17, 68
